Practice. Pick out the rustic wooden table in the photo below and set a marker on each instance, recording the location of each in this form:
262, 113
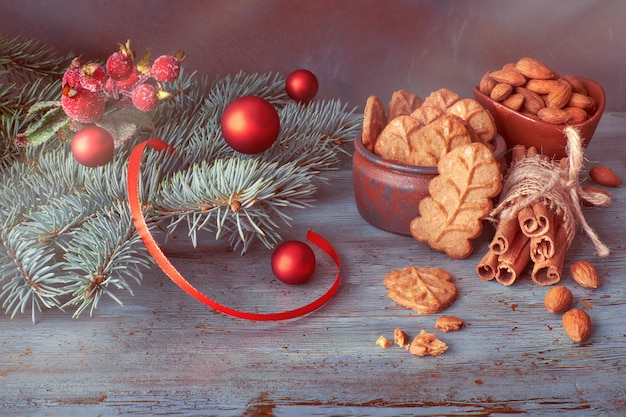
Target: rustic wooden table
163, 353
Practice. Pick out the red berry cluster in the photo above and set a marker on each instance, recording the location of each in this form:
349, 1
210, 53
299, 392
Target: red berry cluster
86, 88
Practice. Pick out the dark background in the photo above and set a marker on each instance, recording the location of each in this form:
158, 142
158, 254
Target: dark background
355, 47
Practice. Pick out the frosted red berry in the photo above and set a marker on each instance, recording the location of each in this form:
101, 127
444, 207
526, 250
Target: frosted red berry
145, 97
165, 68
71, 77
93, 77
129, 82
119, 66
83, 106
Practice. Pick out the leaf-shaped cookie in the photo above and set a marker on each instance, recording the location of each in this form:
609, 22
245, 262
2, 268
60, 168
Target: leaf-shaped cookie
460, 198
394, 141
425, 290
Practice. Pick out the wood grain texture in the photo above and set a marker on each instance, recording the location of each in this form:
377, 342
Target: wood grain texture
163, 353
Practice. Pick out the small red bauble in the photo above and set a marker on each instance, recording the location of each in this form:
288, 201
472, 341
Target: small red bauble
301, 85
93, 146
293, 262
250, 124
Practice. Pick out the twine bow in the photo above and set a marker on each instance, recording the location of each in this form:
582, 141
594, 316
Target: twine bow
534, 179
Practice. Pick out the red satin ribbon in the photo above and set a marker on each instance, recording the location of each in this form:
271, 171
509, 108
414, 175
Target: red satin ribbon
134, 199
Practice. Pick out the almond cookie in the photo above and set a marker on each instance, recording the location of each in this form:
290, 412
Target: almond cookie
425, 290
403, 102
436, 139
374, 121
479, 119
460, 198
394, 141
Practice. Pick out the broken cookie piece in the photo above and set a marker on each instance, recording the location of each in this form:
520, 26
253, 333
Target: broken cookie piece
427, 344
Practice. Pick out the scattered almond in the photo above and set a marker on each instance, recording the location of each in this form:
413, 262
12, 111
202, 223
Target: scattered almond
585, 274
449, 324
558, 299
577, 324
604, 176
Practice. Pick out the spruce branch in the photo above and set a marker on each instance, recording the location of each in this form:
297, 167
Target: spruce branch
24, 61
106, 251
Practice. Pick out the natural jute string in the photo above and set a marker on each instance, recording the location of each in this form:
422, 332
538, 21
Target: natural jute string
535, 178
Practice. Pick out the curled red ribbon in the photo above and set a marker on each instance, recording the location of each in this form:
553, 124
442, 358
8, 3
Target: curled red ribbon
134, 199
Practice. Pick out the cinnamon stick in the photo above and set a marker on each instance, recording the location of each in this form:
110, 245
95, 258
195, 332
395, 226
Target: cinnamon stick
548, 272
542, 247
535, 220
488, 266
504, 235
512, 262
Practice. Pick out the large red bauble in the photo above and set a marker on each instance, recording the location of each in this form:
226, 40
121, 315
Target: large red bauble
293, 262
250, 124
93, 146
301, 85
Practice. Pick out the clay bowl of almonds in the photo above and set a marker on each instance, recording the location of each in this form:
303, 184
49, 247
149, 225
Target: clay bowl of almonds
532, 104
396, 154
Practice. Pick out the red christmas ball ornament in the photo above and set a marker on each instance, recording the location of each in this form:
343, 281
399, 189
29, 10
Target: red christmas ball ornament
301, 85
250, 124
293, 262
93, 146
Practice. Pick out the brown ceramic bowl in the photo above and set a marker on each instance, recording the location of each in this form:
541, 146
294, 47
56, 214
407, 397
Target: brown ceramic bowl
387, 194
549, 138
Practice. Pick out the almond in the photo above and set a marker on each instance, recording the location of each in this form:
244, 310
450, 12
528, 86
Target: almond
553, 115
558, 299
514, 101
576, 83
507, 76
583, 101
559, 96
604, 176
578, 115
541, 86
510, 66
585, 274
577, 324
532, 101
501, 91
533, 68
486, 84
